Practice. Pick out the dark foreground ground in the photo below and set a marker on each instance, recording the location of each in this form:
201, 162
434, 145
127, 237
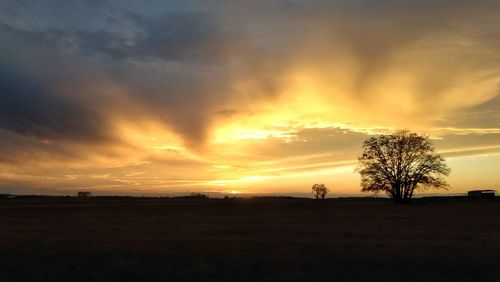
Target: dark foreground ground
248, 240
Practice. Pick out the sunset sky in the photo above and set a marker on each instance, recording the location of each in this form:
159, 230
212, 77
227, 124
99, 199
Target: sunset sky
160, 97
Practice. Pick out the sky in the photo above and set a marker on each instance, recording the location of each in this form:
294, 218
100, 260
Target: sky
160, 97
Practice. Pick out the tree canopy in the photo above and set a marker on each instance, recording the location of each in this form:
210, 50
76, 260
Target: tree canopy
401, 163
320, 190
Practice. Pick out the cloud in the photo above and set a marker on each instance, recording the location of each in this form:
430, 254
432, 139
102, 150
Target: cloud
166, 64
28, 108
363, 56
419, 59
262, 87
484, 115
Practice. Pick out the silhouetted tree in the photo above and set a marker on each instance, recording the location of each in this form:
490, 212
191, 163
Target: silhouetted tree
320, 191
400, 163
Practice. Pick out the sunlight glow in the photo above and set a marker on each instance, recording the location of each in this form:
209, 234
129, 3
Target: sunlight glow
261, 99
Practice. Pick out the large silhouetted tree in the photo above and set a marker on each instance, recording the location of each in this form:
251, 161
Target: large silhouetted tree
320, 191
399, 164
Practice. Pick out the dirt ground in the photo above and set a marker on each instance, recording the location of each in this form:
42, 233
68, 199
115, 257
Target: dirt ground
273, 239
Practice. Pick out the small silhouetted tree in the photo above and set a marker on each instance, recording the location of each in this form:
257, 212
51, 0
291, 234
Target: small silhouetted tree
399, 164
320, 191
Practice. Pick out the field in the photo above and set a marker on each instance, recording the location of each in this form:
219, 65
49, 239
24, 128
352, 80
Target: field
270, 239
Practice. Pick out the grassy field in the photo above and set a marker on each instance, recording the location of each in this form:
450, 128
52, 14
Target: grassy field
248, 240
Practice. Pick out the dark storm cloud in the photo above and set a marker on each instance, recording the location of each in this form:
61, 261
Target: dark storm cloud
174, 36
166, 60
28, 108
185, 36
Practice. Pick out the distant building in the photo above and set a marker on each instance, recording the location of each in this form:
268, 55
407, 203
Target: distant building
84, 194
481, 194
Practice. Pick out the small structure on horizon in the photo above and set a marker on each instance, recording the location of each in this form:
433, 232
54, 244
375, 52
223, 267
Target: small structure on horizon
197, 196
84, 194
481, 194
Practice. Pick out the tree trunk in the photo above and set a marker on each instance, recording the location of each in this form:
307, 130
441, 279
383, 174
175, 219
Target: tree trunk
397, 192
412, 189
398, 199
